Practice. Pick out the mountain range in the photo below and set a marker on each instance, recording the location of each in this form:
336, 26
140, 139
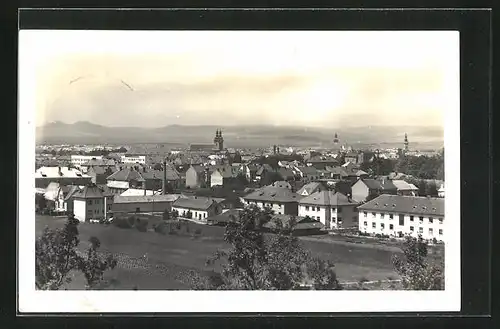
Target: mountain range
84, 132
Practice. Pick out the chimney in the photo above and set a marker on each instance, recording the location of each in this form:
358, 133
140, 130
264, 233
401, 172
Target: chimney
164, 188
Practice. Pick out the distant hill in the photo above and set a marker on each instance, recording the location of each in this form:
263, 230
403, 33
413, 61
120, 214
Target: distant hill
84, 132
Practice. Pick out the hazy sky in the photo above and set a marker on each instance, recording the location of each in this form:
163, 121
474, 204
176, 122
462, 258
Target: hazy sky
328, 78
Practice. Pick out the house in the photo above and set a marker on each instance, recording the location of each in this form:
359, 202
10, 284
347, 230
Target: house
280, 199
321, 162
227, 216
336, 172
311, 188
157, 203
223, 175
91, 203
302, 225
352, 157
105, 163
78, 160
139, 192
66, 204
262, 171
404, 188
282, 184
125, 178
199, 208
398, 215
365, 189
134, 159
441, 191
196, 176
332, 209
62, 175
99, 174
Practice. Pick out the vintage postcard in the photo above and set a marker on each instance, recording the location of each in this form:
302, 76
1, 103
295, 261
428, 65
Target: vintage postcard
177, 171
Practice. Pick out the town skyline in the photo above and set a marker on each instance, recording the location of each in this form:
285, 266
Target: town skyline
295, 78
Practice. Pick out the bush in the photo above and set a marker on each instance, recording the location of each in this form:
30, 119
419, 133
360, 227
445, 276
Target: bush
160, 228
122, 222
141, 226
198, 231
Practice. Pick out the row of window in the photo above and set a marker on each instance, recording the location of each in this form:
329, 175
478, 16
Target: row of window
412, 229
401, 218
318, 209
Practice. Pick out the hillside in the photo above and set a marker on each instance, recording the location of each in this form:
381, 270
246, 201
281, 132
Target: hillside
236, 136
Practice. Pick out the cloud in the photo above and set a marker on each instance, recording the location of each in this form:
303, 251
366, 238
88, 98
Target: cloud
316, 79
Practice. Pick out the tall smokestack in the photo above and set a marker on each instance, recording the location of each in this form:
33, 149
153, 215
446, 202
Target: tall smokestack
164, 188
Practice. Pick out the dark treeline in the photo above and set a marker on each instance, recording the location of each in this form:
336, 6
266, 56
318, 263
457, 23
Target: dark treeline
422, 167
93, 152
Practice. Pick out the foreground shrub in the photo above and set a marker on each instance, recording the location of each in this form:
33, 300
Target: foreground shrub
141, 225
123, 222
161, 228
198, 231
57, 255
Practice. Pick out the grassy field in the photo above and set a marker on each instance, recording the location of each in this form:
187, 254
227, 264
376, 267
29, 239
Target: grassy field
148, 260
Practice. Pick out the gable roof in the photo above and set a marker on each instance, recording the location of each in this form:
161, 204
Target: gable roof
327, 198
308, 170
72, 189
271, 193
401, 185
281, 183
146, 198
230, 216
302, 223
197, 203
57, 172
406, 204
372, 184
126, 175
311, 188
91, 191
337, 171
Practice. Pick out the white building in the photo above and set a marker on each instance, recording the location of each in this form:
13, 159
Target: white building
281, 200
200, 208
441, 191
134, 158
62, 175
77, 160
91, 203
334, 210
398, 215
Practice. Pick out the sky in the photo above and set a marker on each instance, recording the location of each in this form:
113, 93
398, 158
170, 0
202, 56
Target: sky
290, 78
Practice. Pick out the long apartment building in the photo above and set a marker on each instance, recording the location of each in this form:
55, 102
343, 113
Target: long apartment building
398, 215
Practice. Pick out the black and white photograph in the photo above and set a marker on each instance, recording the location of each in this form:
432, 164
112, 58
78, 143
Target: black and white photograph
177, 171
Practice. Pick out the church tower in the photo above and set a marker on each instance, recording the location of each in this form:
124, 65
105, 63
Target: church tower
219, 140
406, 143
336, 139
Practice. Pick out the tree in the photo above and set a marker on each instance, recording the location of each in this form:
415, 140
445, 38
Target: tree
422, 188
40, 201
56, 255
166, 215
431, 189
416, 272
94, 264
277, 262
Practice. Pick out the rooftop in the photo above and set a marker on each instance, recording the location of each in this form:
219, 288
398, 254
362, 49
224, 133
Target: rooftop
270, 193
406, 205
57, 172
88, 192
146, 198
327, 198
197, 203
